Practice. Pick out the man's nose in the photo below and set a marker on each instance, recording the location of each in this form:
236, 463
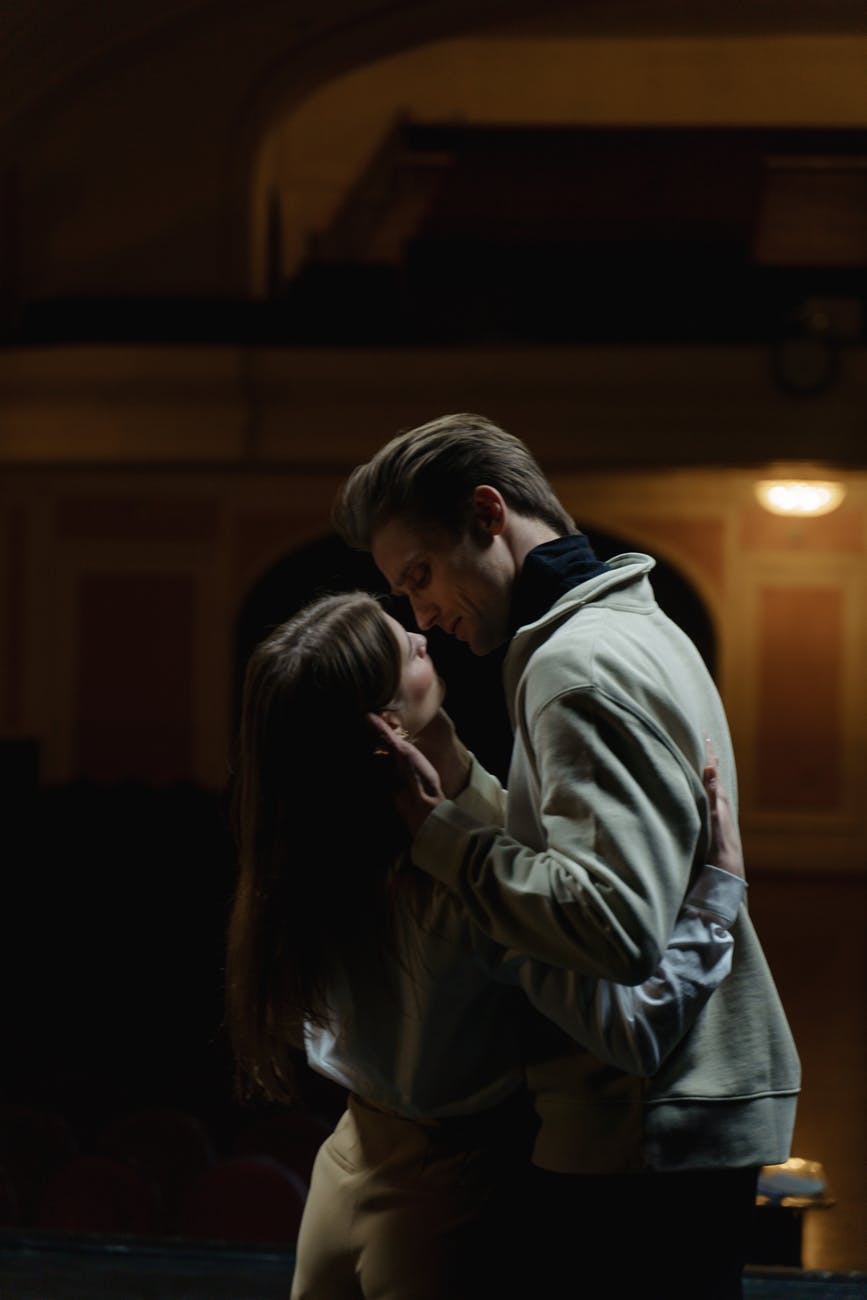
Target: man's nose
425, 612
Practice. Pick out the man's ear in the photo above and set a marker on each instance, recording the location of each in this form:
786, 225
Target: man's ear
490, 510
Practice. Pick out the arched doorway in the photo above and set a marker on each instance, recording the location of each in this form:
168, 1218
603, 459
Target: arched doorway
474, 694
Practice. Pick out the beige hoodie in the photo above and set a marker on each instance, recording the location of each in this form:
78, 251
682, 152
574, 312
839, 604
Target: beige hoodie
606, 826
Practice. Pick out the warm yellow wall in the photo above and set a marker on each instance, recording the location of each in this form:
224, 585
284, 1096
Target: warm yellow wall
788, 601
131, 569
150, 480
589, 406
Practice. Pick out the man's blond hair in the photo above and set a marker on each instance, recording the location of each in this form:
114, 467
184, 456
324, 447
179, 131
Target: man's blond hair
426, 476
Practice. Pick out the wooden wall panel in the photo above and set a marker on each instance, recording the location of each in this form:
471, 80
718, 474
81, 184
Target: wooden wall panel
123, 518
134, 686
14, 613
841, 531
799, 741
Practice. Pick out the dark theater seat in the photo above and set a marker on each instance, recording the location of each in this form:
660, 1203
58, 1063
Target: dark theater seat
246, 1199
98, 1194
34, 1141
291, 1136
8, 1201
169, 1146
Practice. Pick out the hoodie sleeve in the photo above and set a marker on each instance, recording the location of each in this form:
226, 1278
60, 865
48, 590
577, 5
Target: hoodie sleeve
620, 822
636, 1028
483, 798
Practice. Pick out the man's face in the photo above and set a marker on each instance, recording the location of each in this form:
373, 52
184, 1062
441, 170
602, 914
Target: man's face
463, 585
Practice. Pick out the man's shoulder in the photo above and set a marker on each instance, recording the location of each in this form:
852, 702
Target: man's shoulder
619, 648
623, 586
567, 660
580, 632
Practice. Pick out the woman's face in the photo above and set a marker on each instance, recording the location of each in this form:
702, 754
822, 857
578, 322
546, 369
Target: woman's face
421, 691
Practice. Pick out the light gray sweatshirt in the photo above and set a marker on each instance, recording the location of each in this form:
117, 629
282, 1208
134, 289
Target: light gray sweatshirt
431, 1028
606, 827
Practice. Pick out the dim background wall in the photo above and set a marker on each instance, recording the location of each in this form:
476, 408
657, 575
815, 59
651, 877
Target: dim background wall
122, 582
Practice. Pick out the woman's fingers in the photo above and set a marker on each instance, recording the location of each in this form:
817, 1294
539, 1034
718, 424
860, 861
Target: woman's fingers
418, 788
726, 851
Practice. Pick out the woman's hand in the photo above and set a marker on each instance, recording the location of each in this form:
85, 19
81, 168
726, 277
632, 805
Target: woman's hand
439, 743
725, 850
417, 788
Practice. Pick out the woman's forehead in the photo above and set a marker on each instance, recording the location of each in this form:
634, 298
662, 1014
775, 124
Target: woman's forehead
398, 630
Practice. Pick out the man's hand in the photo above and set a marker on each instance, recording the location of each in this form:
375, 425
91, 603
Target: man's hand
417, 788
439, 743
725, 851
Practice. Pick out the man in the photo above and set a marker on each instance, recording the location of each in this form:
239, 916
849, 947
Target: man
647, 1182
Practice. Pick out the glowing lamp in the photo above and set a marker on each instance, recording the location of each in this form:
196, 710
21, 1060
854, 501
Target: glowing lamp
799, 498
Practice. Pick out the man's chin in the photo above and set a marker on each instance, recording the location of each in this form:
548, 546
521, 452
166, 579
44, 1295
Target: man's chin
479, 642
481, 647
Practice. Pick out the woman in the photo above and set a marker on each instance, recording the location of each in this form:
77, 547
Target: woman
337, 944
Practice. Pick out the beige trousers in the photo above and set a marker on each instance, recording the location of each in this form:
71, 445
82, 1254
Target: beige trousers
400, 1210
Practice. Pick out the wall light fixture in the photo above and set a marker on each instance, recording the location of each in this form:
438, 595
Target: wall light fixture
800, 498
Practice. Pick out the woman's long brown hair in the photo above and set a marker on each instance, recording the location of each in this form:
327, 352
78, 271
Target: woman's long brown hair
315, 827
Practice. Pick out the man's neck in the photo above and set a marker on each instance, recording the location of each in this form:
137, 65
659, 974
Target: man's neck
525, 535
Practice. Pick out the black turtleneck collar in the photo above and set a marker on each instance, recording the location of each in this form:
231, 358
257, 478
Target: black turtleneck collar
548, 572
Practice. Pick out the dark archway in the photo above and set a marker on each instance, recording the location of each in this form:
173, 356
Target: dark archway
474, 695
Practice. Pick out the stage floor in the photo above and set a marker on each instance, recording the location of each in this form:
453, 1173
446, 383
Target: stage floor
43, 1266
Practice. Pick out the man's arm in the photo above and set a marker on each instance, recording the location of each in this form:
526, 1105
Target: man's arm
461, 776
636, 1028
619, 821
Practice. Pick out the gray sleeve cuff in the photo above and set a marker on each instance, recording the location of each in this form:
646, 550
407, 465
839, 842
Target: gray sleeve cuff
718, 892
